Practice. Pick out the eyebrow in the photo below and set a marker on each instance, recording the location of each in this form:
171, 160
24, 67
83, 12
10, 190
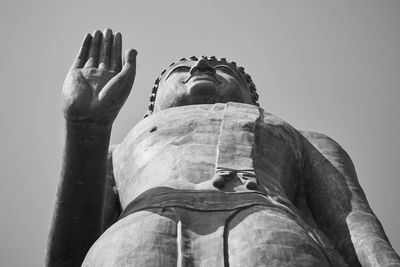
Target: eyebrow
226, 66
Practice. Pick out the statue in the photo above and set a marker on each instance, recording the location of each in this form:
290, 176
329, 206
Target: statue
208, 178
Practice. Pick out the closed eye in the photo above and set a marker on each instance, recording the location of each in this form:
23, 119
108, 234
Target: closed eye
179, 69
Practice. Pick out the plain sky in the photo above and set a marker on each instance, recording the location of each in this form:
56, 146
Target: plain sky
331, 67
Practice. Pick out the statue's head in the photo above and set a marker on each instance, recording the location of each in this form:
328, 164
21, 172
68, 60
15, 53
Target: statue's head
207, 80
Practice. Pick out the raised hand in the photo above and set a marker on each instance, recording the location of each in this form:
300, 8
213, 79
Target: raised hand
97, 85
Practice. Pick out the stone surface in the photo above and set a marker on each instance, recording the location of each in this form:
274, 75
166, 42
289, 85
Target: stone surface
194, 144
207, 179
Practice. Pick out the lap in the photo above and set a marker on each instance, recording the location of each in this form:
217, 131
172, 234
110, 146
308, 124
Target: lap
254, 236
142, 239
260, 236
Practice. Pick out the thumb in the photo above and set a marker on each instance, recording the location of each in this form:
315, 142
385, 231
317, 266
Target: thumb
129, 68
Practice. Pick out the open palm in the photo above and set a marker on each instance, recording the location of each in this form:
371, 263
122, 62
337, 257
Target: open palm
97, 85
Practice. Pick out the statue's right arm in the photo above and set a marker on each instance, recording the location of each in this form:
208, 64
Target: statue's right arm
94, 91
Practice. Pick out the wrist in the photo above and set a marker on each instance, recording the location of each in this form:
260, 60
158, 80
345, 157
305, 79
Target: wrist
88, 132
383, 257
87, 125
376, 250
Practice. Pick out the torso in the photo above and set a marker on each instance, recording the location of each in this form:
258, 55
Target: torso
182, 147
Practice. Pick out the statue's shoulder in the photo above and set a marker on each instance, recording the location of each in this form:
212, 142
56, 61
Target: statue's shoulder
318, 139
324, 144
313, 134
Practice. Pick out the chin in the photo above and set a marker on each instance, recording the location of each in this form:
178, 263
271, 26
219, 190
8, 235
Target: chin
202, 89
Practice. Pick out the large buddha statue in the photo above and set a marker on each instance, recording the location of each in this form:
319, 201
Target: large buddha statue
207, 178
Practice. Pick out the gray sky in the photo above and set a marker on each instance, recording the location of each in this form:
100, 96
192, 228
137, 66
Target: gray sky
331, 67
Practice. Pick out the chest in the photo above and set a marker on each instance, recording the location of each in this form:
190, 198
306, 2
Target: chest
191, 142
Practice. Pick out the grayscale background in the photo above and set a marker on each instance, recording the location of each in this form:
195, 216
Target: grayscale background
331, 67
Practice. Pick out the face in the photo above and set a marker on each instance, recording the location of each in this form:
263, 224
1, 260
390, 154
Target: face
201, 82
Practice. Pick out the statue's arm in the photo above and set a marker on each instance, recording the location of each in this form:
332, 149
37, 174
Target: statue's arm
94, 90
78, 213
339, 205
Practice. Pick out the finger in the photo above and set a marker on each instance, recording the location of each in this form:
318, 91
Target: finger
93, 58
83, 53
116, 51
106, 49
121, 84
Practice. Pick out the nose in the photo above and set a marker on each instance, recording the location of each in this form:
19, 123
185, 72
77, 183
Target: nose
202, 66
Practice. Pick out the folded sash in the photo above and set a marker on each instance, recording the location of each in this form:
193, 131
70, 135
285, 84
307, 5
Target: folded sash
202, 200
